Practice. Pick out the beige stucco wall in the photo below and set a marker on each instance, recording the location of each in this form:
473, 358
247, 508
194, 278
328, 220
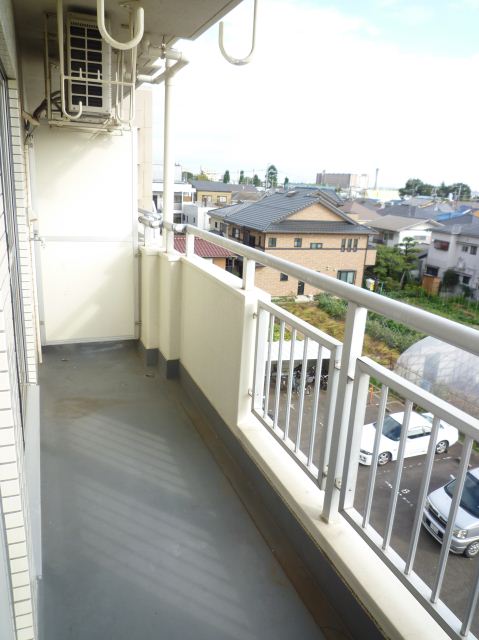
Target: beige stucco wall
315, 212
214, 195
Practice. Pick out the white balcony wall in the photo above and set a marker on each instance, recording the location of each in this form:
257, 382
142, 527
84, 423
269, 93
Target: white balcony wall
215, 345
84, 197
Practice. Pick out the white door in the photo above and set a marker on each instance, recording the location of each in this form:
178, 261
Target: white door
85, 201
417, 441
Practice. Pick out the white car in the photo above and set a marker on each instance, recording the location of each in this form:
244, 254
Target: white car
418, 438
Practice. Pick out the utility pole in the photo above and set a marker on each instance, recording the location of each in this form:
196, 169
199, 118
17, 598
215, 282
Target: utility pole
376, 180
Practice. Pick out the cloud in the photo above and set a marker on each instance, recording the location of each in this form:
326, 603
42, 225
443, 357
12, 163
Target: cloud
323, 93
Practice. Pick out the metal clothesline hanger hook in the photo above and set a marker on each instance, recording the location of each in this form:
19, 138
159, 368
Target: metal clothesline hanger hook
138, 33
230, 59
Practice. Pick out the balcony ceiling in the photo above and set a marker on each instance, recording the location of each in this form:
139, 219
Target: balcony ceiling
172, 19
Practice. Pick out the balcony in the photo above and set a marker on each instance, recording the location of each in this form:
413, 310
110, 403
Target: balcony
228, 343
142, 531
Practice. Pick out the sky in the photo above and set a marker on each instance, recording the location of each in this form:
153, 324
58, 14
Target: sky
346, 86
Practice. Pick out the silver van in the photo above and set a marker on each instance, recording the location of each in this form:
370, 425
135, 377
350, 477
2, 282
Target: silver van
465, 538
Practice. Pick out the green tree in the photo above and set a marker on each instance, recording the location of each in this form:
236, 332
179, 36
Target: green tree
271, 176
186, 176
410, 253
226, 177
256, 180
450, 279
201, 175
286, 182
416, 187
460, 190
391, 263
241, 177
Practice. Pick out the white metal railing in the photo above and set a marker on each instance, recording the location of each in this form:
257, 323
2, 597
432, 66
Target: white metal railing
404, 566
283, 373
330, 454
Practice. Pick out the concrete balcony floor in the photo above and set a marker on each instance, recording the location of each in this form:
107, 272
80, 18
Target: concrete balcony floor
143, 536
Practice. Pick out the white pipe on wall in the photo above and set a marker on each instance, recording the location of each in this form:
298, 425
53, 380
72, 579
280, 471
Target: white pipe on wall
168, 160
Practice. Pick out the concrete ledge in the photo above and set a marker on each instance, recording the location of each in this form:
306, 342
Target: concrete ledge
149, 356
170, 369
372, 602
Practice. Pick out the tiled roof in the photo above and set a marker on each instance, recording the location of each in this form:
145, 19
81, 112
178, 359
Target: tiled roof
398, 223
275, 208
316, 226
223, 212
461, 229
203, 248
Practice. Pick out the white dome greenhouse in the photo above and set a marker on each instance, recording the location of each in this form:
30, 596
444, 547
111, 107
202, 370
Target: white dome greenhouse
450, 373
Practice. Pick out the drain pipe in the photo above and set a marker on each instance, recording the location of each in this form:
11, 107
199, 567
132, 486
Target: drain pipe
168, 160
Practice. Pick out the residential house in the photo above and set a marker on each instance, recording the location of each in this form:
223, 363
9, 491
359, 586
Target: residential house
219, 194
358, 211
210, 252
456, 247
302, 226
116, 517
392, 230
184, 193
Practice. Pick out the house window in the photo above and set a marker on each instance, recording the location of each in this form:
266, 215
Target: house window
222, 199
216, 225
177, 218
466, 279
315, 245
271, 242
465, 248
432, 271
298, 243
441, 245
355, 245
347, 276
236, 233
473, 250
343, 244
350, 244
283, 277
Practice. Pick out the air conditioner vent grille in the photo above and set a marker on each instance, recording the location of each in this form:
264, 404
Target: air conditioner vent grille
89, 60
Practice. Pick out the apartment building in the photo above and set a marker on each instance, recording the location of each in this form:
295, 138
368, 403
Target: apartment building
305, 227
219, 194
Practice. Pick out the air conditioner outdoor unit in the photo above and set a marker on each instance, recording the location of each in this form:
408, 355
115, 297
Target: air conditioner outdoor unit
89, 59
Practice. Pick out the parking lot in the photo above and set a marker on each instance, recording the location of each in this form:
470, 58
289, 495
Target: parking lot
461, 571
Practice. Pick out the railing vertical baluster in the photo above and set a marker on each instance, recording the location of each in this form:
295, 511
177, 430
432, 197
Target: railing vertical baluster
451, 519
249, 269
267, 383
471, 605
329, 411
259, 372
356, 422
302, 389
279, 371
374, 460
190, 245
426, 477
397, 476
352, 349
317, 395
290, 383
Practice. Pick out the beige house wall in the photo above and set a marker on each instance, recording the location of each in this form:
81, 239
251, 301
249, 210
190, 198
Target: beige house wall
329, 260
316, 212
214, 195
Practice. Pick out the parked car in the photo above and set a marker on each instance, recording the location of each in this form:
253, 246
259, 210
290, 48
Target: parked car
419, 435
465, 537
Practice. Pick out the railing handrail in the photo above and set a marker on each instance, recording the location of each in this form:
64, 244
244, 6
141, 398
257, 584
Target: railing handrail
448, 331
